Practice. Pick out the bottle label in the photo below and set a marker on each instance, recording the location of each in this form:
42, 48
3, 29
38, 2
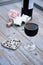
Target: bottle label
31, 3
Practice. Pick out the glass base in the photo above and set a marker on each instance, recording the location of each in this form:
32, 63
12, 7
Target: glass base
29, 47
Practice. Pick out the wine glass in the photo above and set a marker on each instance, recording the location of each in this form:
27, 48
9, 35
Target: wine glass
30, 29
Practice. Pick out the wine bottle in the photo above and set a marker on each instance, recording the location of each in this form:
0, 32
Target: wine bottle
27, 7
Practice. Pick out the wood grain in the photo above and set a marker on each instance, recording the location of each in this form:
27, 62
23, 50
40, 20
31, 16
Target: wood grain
20, 56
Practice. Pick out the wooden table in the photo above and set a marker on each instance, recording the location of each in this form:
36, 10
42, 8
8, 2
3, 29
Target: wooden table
20, 56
